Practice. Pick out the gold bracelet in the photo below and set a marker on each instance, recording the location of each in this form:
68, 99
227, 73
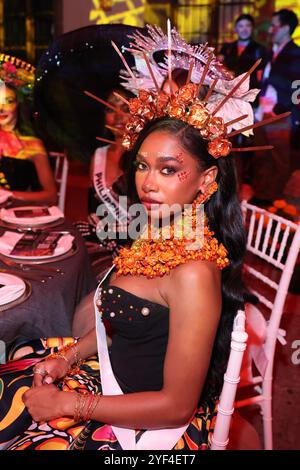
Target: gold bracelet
93, 406
62, 353
79, 407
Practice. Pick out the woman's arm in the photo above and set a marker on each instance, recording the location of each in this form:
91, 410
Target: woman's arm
48, 194
194, 297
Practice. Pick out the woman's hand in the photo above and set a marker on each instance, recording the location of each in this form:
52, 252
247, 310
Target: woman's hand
48, 402
49, 371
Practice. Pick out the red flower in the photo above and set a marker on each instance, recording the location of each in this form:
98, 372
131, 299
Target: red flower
9, 68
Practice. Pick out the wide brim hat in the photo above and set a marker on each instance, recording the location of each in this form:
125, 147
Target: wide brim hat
83, 59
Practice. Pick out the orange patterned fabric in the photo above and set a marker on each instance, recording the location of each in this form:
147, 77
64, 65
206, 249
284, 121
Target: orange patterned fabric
19, 432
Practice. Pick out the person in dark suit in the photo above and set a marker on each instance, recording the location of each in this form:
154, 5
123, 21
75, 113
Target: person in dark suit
278, 95
240, 55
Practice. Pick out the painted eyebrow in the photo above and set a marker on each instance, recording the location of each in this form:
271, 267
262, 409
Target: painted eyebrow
162, 159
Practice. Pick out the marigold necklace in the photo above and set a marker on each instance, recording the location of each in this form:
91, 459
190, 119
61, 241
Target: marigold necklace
156, 256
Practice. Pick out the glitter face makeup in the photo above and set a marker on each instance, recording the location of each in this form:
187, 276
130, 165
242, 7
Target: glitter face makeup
179, 158
183, 175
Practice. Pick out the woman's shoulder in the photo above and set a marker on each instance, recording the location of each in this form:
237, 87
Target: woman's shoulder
193, 276
194, 270
33, 143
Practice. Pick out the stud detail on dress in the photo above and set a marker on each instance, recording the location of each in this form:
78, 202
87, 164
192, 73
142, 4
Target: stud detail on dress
110, 291
145, 311
112, 314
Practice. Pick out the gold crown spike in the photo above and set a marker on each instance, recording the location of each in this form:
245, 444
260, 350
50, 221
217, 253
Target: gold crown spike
151, 71
170, 56
236, 87
233, 121
100, 100
107, 141
123, 60
261, 123
188, 80
122, 98
114, 129
205, 72
210, 90
253, 149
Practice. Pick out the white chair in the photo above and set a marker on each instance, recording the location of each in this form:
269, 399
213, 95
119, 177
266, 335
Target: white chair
225, 411
60, 167
272, 248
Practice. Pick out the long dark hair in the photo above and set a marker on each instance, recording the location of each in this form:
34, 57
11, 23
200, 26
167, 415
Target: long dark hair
24, 123
225, 219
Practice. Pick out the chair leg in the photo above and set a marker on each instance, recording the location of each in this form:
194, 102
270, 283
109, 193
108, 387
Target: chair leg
266, 408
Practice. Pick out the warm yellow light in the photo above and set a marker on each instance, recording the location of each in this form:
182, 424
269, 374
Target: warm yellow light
129, 12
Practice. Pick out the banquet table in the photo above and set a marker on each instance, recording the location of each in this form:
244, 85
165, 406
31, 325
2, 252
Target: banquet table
49, 310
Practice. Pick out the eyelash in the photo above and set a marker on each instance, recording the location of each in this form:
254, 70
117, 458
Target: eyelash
171, 170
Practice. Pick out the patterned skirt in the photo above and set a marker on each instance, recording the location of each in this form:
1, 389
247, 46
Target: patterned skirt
19, 432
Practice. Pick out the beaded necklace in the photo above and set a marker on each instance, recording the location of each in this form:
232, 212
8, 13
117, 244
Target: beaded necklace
156, 256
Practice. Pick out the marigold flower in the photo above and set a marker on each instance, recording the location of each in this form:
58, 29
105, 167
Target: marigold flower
219, 147
279, 203
176, 110
198, 116
187, 93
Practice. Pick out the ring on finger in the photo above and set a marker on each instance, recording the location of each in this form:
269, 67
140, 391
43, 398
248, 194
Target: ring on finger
40, 371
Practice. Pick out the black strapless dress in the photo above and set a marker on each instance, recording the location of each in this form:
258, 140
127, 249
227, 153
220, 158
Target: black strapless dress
20, 174
139, 331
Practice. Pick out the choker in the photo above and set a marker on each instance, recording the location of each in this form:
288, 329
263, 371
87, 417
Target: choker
158, 251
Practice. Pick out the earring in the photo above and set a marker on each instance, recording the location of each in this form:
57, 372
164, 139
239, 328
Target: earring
204, 197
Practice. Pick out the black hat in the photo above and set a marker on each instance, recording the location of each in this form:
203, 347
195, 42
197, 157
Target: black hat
80, 60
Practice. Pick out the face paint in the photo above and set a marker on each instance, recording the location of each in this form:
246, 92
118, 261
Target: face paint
179, 158
8, 109
183, 175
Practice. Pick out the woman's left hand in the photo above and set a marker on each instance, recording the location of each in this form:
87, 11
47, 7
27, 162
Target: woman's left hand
45, 403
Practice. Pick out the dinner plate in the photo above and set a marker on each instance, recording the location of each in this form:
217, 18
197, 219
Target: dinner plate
32, 216
10, 239
11, 288
67, 255
48, 226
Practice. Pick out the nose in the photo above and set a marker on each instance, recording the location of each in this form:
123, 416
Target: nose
149, 183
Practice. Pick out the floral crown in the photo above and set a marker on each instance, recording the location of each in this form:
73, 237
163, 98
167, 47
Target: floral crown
17, 73
224, 112
183, 105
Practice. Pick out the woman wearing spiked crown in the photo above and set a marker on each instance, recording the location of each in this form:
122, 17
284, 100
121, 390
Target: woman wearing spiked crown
170, 301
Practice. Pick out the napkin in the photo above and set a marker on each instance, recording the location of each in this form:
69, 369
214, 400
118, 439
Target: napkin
9, 240
11, 293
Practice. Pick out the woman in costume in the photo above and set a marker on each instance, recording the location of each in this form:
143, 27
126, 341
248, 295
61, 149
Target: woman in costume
107, 185
24, 166
158, 387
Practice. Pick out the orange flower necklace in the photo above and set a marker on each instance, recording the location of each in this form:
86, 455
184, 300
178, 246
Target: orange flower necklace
156, 256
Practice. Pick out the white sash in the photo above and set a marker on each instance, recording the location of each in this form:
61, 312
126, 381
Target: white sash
158, 439
104, 194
